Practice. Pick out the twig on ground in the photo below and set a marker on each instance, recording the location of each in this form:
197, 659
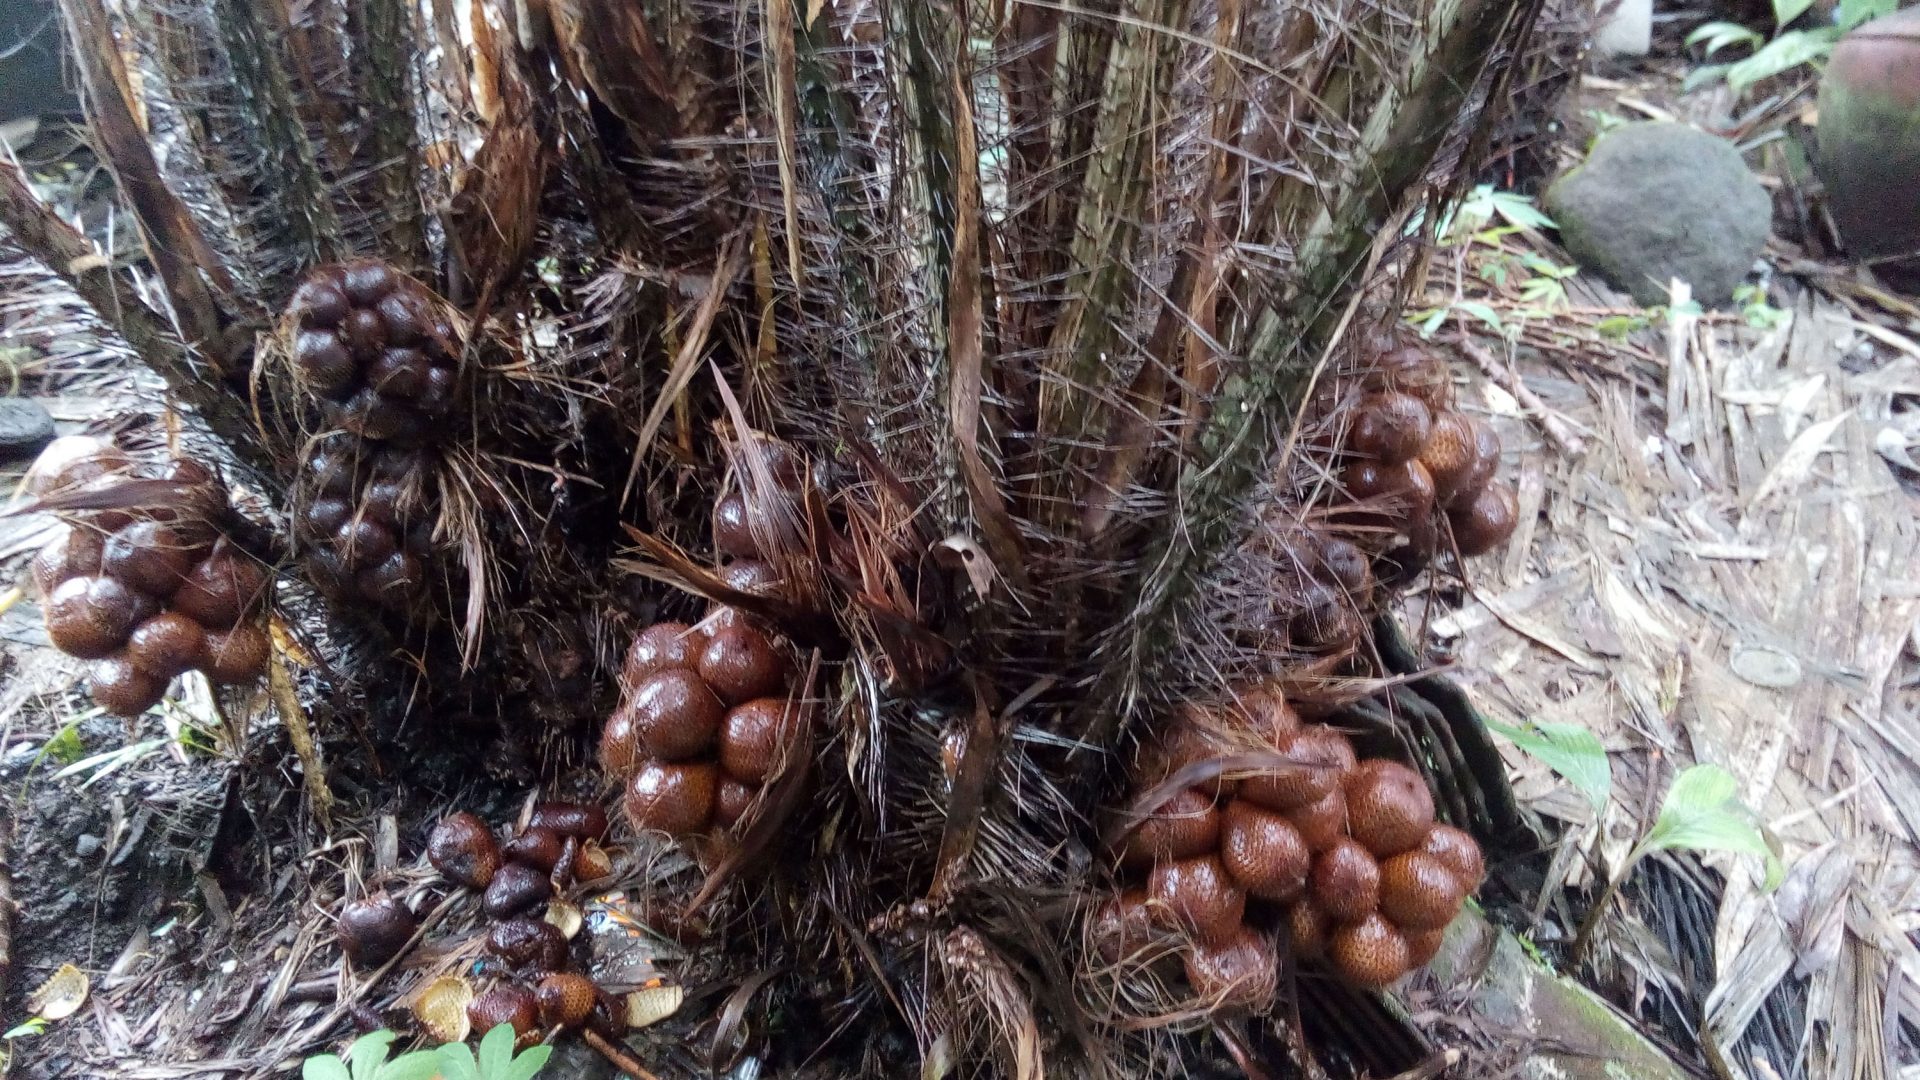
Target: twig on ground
1559, 430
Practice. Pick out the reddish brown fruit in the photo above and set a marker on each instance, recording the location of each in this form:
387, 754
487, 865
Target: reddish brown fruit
1320, 756
1187, 740
1390, 427
657, 648
531, 944
515, 889
166, 645
1389, 808
1458, 852
740, 664
1418, 892
1122, 928
1422, 947
1197, 896
587, 821
1369, 953
1346, 882
748, 576
1241, 970
463, 849
1411, 370
73, 461
374, 930
76, 551
1267, 713
1185, 826
1394, 495
675, 715
1484, 521
507, 1004
1308, 929
122, 689
731, 802
673, 799
150, 556
1486, 461
620, 743
538, 848
239, 655
566, 1000
364, 542
1322, 824
732, 536
222, 589
1263, 851
754, 736
1327, 622
90, 617
1449, 455
1345, 566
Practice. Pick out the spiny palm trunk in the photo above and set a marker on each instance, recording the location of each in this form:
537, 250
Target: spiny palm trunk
1040, 289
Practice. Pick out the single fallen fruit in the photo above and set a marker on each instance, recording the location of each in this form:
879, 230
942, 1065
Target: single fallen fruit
374, 930
462, 847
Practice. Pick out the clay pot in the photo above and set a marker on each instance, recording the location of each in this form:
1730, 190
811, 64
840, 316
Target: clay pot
1869, 155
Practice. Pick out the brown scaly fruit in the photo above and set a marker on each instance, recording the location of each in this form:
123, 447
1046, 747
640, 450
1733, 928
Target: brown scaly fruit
1322, 824
1321, 756
515, 889
1458, 852
377, 347
1197, 896
1122, 928
1240, 970
464, 850
1389, 808
1185, 826
676, 799
509, 1004
566, 999
1308, 929
1369, 953
1263, 851
754, 736
532, 944
1418, 892
740, 664
374, 930
1485, 521
676, 716
1390, 427
584, 821
657, 648
1346, 881
539, 848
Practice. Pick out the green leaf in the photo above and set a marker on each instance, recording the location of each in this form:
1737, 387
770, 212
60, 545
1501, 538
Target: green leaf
1785, 11
1484, 313
65, 747
1854, 12
527, 1064
1617, 327
1703, 812
1720, 35
1784, 53
1571, 750
323, 1067
456, 1062
1433, 322
1519, 211
368, 1051
419, 1065
496, 1051
35, 1026
1704, 74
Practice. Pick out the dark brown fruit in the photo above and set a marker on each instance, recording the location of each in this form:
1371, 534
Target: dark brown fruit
73, 461
1307, 929
586, 821
673, 799
1485, 521
1122, 928
1197, 896
1241, 970
324, 362
1320, 755
1449, 455
507, 1004
1399, 494
619, 743
90, 617
657, 648
1346, 882
732, 802
515, 889
1458, 852
1322, 824
374, 930
1389, 808
74, 552
1423, 946
740, 664
1263, 851
1267, 713
166, 645
731, 534
1486, 461
591, 862
566, 1000
754, 737
393, 582
221, 590
372, 415
150, 556
1185, 826
238, 655
1390, 427
319, 303
406, 316
1344, 565
1188, 739
399, 373
749, 576
1369, 953
1410, 369
325, 516
463, 849
1418, 892
530, 944
1328, 621
538, 848
675, 715
364, 542
122, 689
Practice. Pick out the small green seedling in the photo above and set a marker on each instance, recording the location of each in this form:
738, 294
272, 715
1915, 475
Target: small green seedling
1786, 50
367, 1060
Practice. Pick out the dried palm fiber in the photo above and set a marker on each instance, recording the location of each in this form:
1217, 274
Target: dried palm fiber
1035, 291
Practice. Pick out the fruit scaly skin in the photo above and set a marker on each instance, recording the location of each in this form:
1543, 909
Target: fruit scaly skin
1389, 808
1346, 881
509, 1004
1185, 826
676, 799
1197, 896
1370, 953
516, 888
374, 930
1418, 892
1263, 851
463, 849
1240, 970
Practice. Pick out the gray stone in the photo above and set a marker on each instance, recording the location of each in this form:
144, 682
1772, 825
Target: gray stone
1656, 201
25, 427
